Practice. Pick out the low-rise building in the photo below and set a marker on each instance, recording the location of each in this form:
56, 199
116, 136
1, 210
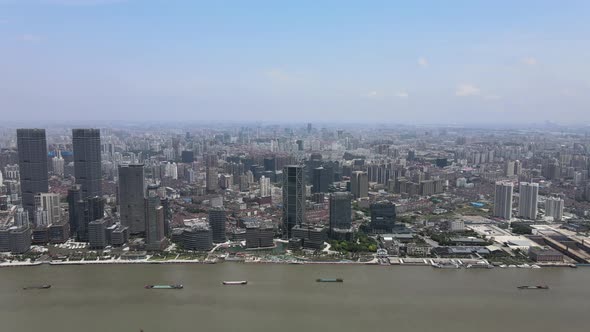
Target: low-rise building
545, 255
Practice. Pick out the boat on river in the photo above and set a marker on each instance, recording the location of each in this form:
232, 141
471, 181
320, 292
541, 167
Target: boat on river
47, 286
164, 286
534, 287
238, 282
329, 280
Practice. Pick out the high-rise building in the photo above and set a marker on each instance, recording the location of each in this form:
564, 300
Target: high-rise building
382, 217
527, 202
293, 198
503, 200
554, 208
154, 222
320, 180
517, 167
359, 184
509, 168
340, 211
47, 209
87, 161
74, 198
212, 181
32, 163
89, 209
217, 219
265, 188
58, 164
131, 197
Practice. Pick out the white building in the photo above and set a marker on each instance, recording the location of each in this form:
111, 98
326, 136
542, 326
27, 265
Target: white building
554, 208
47, 209
265, 187
527, 203
58, 164
503, 200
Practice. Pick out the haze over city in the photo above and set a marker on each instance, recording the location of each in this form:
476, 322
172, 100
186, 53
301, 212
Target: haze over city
337, 61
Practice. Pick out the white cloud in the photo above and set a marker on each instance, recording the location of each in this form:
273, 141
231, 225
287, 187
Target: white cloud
402, 94
27, 37
371, 94
464, 90
529, 61
423, 62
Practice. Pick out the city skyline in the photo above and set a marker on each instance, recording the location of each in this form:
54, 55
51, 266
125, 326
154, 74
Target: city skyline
423, 62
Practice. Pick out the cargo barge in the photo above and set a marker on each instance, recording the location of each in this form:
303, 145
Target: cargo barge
164, 287
329, 280
38, 287
240, 282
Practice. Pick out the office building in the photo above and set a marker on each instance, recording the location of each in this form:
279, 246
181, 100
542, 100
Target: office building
154, 222
340, 211
87, 161
131, 197
119, 235
187, 156
32, 164
320, 180
47, 209
88, 210
212, 181
311, 237
198, 237
217, 220
527, 202
74, 198
97, 233
59, 232
19, 240
359, 184
293, 198
258, 234
383, 216
554, 208
503, 200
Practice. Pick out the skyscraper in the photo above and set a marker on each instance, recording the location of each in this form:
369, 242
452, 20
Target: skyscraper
359, 184
554, 208
509, 168
154, 221
293, 198
47, 209
503, 200
32, 163
528, 197
382, 217
212, 182
87, 165
131, 197
340, 211
265, 188
74, 198
320, 178
217, 218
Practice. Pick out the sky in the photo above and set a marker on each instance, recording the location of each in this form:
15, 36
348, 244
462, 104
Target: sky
412, 62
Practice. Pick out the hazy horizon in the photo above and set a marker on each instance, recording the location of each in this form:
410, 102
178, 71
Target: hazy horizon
423, 62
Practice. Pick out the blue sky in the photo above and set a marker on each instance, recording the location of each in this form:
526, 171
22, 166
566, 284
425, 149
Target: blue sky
337, 61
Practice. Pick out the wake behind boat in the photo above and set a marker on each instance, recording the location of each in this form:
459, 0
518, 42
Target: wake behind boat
38, 287
238, 282
534, 287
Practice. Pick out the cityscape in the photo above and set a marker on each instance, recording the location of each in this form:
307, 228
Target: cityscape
333, 165
446, 197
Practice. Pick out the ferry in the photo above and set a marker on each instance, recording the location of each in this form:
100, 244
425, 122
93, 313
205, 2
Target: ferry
239, 282
534, 287
38, 287
329, 280
164, 287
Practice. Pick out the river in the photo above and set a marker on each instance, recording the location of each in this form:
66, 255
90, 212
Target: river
287, 298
